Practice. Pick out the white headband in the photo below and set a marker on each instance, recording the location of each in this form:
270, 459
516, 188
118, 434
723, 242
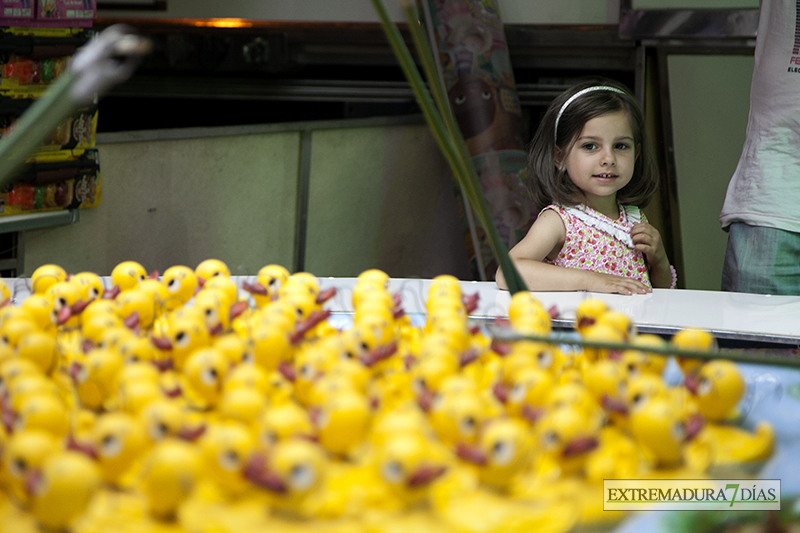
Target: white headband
578, 94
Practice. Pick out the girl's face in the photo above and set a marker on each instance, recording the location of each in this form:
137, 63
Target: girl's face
601, 161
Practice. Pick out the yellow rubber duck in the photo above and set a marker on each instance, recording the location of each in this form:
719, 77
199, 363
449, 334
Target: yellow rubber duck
39, 348
525, 394
717, 387
181, 284
606, 380
668, 440
205, 372
91, 286
619, 321
185, 334
588, 312
137, 309
241, 404
45, 276
282, 422
693, 339
504, 451
303, 483
565, 436
342, 421
95, 378
44, 411
62, 489
23, 454
225, 450
120, 442
210, 268
66, 303
170, 472
127, 275
267, 285
38, 309
407, 465
640, 361
737, 447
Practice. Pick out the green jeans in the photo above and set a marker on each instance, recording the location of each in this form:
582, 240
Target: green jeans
761, 260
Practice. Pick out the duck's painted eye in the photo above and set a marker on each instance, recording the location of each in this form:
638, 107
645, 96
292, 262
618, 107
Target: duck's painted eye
182, 339
550, 440
704, 387
209, 376
173, 285
302, 477
468, 426
517, 393
418, 385
392, 471
158, 430
229, 460
18, 467
502, 452
544, 360
110, 446
638, 400
678, 432
81, 373
322, 419
307, 372
269, 437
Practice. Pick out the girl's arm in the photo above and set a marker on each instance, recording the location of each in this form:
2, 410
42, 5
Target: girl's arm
647, 239
547, 236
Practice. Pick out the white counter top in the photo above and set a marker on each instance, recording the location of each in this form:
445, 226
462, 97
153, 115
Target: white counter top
726, 314
763, 318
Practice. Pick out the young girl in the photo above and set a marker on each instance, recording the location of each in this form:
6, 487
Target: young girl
591, 169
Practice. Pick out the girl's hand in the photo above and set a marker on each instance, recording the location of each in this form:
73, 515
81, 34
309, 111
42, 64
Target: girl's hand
597, 282
647, 239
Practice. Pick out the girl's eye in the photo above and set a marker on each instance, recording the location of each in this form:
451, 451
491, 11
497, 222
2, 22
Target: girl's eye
589, 146
622, 146
460, 99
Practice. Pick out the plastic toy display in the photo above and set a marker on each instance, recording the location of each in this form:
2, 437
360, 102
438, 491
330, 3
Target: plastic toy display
197, 401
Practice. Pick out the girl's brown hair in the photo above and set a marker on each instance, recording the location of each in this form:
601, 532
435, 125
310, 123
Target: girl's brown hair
549, 184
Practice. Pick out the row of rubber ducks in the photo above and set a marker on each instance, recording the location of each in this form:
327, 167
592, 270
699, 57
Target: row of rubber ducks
185, 402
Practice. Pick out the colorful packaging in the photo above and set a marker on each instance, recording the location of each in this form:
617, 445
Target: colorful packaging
16, 12
65, 13
67, 179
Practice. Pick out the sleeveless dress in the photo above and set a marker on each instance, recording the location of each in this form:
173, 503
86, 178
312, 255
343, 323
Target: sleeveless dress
598, 243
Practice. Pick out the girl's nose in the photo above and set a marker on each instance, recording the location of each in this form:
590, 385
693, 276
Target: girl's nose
608, 159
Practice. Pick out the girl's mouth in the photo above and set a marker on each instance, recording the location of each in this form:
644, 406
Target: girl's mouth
605, 176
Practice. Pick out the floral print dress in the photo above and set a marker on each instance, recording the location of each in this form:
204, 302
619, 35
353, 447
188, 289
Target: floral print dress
598, 243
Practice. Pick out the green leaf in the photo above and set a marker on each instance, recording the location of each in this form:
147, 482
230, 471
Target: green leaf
439, 116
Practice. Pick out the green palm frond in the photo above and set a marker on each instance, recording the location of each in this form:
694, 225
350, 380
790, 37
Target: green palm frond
436, 109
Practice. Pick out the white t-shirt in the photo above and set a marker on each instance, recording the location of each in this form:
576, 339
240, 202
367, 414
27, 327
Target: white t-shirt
765, 188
